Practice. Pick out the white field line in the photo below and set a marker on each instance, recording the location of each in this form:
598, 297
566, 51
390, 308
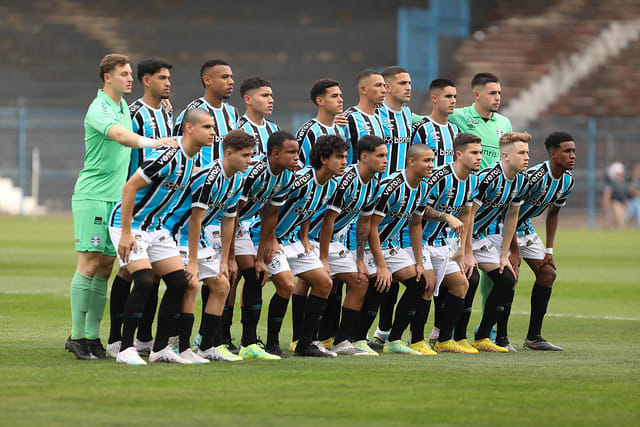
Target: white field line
581, 316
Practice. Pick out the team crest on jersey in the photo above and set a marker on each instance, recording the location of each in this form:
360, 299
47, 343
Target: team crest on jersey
150, 123
499, 132
95, 240
451, 193
230, 123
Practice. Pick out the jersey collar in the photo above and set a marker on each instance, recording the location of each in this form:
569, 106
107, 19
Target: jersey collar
475, 114
181, 145
110, 101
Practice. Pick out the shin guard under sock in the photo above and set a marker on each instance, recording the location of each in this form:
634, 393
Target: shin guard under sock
210, 327
368, 312
419, 321
297, 314
170, 306
406, 308
453, 306
539, 301
150, 307
462, 323
142, 282
119, 293
313, 310
185, 327
277, 310
387, 305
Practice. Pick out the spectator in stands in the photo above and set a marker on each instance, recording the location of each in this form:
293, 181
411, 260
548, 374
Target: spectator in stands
634, 195
614, 200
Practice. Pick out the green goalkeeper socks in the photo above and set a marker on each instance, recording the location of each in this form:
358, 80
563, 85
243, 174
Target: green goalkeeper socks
486, 284
80, 295
97, 302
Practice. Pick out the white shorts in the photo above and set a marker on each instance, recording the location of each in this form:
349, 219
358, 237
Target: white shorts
341, 260
440, 254
152, 245
485, 251
244, 244
426, 257
531, 246
292, 257
213, 237
208, 261
395, 258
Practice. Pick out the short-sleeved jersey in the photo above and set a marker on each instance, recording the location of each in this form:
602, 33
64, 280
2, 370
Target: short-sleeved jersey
398, 126
309, 133
495, 193
105, 161
261, 186
361, 124
225, 120
544, 190
438, 137
305, 197
212, 190
149, 122
350, 197
396, 203
167, 170
448, 194
260, 132
469, 120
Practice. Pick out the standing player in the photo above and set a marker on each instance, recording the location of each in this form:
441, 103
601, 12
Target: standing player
500, 191
402, 199
145, 246
258, 97
108, 136
149, 119
356, 189
270, 177
482, 119
217, 79
362, 118
203, 226
295, 256
327, 96
550, 184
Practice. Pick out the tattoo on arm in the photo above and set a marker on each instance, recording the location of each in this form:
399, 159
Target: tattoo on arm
431, 214
362, 235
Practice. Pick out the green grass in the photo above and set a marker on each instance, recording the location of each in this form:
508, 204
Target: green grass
595, 381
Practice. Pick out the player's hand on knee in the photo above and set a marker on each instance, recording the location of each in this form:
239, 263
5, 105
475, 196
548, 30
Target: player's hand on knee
548, 260
363, 274
262, 272
505, 263
126, 245
383, 279
233, 269
470, 263
191, 270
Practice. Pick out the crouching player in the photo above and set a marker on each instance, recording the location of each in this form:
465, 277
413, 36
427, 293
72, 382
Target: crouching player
145, 246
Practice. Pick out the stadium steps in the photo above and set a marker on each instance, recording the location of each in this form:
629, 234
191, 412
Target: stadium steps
11, 198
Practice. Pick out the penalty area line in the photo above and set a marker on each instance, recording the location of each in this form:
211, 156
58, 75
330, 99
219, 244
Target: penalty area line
581, 316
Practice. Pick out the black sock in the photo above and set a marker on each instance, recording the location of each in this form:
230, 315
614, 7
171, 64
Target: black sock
438, 305
462, 323
251, 307
498, 297
453, 306
170, 306
313, 310
210, 326
204, 293
345, 330
539, 300
368, 312
119, 293
406, 308
142, 282
419, 321
387, 305
185, 328
277, 310
503, 320
330, 317
146, 322
227, 320
297, 314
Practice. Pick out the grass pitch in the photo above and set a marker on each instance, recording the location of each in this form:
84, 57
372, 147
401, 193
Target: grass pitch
594, 313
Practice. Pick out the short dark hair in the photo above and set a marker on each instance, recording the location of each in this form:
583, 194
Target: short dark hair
193, 116
253, 83
276, 140
208, 65
368, 144
392, 71
324, 147
365, 74
554, 140
482, 79
151, 66
237, 140
441, 83
463, 139
320, 87
110, 62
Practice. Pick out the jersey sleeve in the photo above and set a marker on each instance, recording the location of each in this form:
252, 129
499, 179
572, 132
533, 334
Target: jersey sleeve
480, 192
562, 201
523, 190
101, 116
200, 191
231, 207
177, 128
387, 198
157, 165
343, 192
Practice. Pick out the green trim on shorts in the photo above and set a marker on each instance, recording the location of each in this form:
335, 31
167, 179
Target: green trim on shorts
91, 226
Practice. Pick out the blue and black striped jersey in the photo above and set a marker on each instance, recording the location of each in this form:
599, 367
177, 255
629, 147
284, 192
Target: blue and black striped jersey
448, 194
398, 126
225, 119
210, 189
495, 193
309, 133
396, 203
148, 122
350, 197
361, 124
260, 132
167, 170
261, 186
544, 190
438, 137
